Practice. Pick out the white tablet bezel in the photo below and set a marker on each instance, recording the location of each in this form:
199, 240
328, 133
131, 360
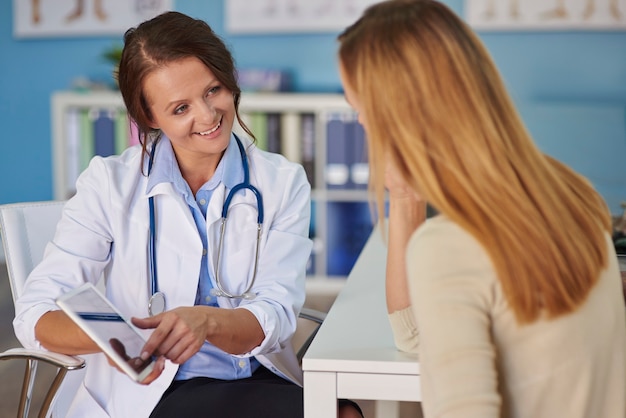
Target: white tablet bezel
64, 303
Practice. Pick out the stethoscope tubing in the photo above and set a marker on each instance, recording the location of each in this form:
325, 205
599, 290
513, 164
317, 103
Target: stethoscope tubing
156, 295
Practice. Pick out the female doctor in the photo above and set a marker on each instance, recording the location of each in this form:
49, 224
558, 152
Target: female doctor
219, 310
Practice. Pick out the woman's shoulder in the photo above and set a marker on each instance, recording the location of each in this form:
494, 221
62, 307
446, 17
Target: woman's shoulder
443, 231
444, 245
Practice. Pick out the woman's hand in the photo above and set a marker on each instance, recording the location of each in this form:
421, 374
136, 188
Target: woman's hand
397, 185
407, 211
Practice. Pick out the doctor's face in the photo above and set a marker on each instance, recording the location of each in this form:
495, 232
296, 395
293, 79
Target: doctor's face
191, 107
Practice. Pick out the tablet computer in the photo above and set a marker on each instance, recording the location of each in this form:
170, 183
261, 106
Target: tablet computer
105, 325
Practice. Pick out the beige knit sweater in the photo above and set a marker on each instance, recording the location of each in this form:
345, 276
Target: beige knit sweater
476, 361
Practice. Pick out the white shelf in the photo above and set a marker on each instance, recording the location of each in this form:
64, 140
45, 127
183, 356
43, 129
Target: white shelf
292, 102
320, 105
60, 103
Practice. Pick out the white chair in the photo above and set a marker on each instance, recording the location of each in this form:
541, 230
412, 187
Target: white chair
26, 228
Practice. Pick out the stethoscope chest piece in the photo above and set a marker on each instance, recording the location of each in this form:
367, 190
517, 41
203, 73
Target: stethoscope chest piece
156, 305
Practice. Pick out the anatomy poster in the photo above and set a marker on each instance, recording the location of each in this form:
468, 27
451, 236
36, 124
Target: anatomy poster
258, 16
46, 18
546, 14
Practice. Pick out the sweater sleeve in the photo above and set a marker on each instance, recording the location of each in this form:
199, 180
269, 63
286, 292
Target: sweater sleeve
451, 283
405, 334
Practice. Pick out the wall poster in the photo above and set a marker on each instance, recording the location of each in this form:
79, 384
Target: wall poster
51, 18
546, 14
267, 16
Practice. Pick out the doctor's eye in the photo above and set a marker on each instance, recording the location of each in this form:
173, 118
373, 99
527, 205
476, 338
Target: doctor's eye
213, 91
180, 109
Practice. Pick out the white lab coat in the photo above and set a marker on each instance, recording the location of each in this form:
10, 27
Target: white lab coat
104, 230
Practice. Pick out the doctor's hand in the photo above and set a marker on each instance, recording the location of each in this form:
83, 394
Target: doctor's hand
137, 363
156, 372
178, 334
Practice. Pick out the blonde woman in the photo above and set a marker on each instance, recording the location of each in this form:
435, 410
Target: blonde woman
513, 289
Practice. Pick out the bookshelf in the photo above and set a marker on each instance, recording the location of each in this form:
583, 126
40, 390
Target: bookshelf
319, 131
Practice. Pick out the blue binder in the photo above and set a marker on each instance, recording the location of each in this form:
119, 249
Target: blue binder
104, 134
349, 226
273, 133
359, 167
337, 172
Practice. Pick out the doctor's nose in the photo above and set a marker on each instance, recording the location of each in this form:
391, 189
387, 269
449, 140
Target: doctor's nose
207, 112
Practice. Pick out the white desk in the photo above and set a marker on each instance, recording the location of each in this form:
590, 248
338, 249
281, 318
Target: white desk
353, 355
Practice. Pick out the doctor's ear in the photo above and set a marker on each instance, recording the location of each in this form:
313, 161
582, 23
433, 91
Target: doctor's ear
149, 118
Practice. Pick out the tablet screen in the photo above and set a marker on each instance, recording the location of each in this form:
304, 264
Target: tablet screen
116, 336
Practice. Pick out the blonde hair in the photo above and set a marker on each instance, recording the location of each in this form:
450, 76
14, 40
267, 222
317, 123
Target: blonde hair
436, 106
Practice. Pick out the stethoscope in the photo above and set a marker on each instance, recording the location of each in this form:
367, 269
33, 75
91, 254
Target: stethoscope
156, 304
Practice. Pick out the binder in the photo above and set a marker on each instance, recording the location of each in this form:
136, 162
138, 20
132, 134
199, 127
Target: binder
337, 173
273, 132
134, 133
122, 131
86, 145
246, 119
258, 126
349, 225
290, 141
310, 266
72, 153
359, 167
104, 133
308, 146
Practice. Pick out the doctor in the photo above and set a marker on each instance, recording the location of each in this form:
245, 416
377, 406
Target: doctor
219, 311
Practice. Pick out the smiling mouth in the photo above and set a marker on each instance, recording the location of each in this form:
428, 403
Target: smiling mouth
210, 131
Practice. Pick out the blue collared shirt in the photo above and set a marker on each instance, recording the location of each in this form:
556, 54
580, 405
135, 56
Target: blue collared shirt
210, 361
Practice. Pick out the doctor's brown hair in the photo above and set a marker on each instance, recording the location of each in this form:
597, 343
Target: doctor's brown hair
435, 103
169, 37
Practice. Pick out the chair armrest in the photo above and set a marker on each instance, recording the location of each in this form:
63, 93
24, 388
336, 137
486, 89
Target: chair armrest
56, 359
312, 315
63, 364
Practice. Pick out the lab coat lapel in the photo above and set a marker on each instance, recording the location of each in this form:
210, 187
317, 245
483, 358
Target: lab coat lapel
179, 248
214, 210
213, 220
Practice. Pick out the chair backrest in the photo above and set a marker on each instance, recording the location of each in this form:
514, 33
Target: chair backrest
26, 229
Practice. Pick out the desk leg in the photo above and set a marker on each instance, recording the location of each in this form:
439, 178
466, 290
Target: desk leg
387, 409
320, 395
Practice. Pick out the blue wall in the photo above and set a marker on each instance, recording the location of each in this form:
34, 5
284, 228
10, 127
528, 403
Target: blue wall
570, 87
